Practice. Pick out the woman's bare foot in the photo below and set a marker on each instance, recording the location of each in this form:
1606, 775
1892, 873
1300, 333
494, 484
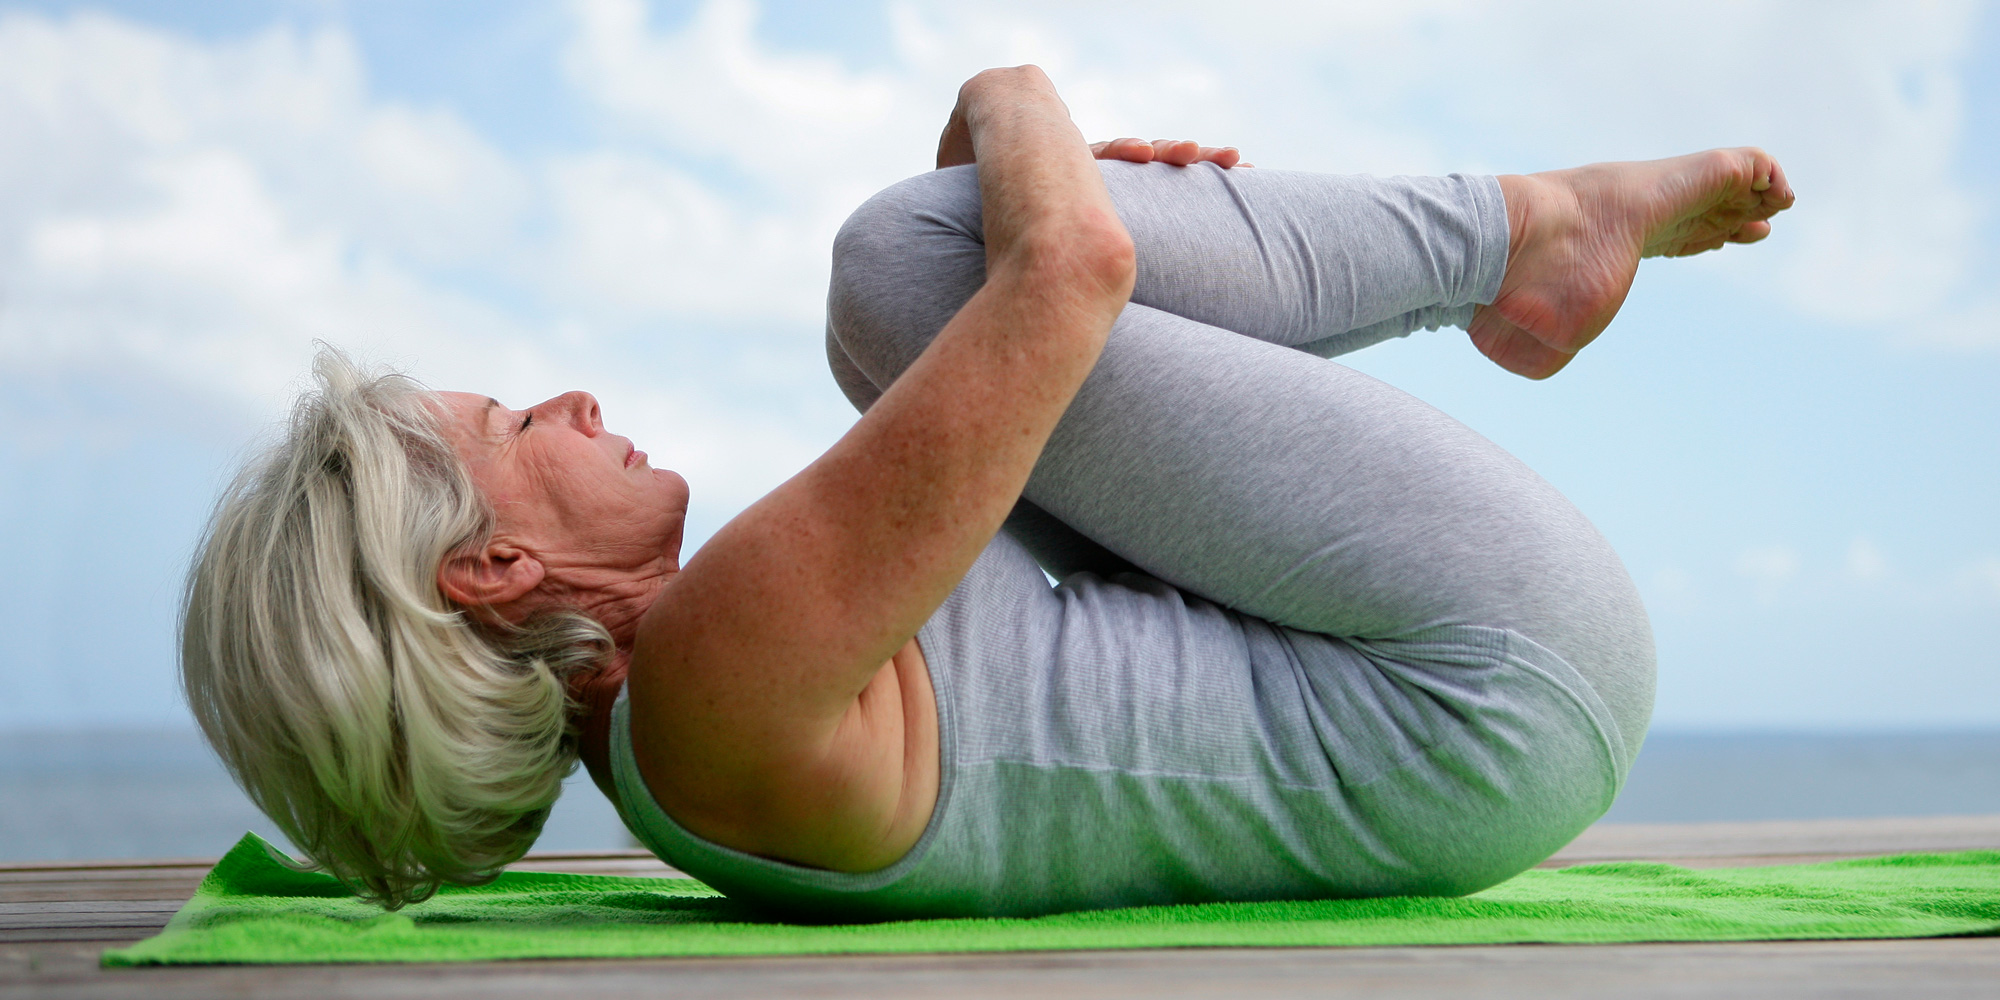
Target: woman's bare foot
1576, 236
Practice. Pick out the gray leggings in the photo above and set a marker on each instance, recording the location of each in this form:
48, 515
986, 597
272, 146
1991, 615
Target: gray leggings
1427, 670
1204, 452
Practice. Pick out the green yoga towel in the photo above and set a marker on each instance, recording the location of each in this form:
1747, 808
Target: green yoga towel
252, 908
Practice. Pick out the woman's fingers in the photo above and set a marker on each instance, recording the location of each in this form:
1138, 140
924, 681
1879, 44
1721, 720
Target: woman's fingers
955, 145
1179, 152
1222, 156
1134, 150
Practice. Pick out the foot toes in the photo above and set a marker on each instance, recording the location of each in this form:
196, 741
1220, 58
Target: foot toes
1768, 179
1751, 232
1751, 188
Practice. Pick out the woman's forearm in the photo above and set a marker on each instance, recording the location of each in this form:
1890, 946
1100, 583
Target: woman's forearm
1043, 201
856, 552
949, 447
922, 482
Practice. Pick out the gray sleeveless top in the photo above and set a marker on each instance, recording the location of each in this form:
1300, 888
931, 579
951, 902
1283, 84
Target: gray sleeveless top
1113, 742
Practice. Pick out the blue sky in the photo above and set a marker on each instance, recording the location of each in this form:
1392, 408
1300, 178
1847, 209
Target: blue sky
1796, 446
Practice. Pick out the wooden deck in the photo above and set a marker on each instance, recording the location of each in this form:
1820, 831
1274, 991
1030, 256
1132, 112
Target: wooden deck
55, 918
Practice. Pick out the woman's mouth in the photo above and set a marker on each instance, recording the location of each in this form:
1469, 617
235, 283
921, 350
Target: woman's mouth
634, 457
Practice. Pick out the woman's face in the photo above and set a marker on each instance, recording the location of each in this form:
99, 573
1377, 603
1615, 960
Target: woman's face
564, 488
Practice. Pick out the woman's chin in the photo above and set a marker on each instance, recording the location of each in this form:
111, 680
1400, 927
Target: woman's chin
673, 483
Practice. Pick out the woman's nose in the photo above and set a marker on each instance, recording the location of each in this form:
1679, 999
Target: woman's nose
580, 409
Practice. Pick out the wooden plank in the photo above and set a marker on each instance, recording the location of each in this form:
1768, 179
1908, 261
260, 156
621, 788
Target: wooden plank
123, 901
111, 934
87, 913
579, 862
1781, 971
90, 906
649, 867
53, 885
631, 854
1765, 842
55, 918
26, 876
106, 865
58, 892
1603, 842
101, 937
94, 919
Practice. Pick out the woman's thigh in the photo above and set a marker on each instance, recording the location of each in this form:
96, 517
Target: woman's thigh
1311, 495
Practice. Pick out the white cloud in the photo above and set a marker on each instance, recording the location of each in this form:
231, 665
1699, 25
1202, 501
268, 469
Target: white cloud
1863, 102
205, 209
193, 213
213, 284
805, 140
1861, 576
641, 239
1673, 590
1770, 567
1983, 578
1865, 559
713, 87
200, 213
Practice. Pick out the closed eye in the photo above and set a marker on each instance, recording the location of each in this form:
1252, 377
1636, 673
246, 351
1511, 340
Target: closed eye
525, 421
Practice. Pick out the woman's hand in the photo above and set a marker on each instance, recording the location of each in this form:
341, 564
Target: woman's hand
955, 148
955, 145
1179, 152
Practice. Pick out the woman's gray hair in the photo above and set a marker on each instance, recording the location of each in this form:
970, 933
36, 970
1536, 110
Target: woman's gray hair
396, 740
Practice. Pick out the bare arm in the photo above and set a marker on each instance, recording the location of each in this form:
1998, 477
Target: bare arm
753, 676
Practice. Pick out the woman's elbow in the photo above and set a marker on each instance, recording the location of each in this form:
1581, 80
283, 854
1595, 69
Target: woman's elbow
1112, 261
1089, 252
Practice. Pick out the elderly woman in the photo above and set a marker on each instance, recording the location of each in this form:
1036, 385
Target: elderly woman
1311, 638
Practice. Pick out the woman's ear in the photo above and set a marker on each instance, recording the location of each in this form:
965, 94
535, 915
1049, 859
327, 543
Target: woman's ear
496, 575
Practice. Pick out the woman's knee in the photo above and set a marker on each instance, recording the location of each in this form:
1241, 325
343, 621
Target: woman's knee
1592, 616
903, 264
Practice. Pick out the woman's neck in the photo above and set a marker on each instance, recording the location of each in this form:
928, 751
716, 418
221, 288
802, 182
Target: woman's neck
618, 609
594, 697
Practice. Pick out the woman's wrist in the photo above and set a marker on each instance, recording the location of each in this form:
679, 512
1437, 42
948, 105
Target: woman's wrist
991, 98
1047, 215
956, 145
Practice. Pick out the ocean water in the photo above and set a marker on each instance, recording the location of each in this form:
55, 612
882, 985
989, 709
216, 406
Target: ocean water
152, 794
1704, 777
123, 794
